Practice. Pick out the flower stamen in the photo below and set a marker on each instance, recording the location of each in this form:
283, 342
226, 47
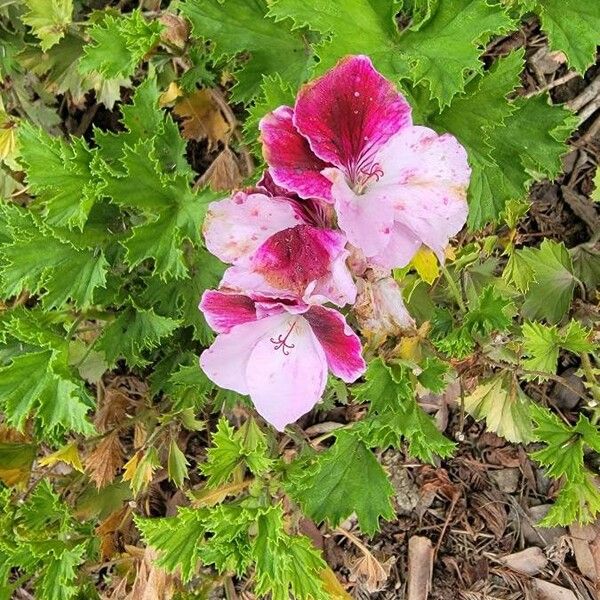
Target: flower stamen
281, 341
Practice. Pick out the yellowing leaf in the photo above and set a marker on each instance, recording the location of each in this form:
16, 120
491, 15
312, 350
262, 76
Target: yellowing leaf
596, 192
332, 585
409, 348
130, 467
8, 139
505, 408
48, 19
170, 95
140, 471
426, 264
15, 462
202, 118
67, 454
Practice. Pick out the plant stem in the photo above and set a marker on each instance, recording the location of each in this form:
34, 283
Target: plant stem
454, 289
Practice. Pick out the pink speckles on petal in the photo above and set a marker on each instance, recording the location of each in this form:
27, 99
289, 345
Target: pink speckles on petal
286, 372
349, 113
292, 164
235, 227
223, 311
367, 219
341, 345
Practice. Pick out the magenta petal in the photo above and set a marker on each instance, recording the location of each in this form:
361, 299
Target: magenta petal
223, 311
235, 227
292, 164
286, 372
350, 112
341, 345
226, 360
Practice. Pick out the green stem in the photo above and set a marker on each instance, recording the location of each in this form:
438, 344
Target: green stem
454, 289
588, 370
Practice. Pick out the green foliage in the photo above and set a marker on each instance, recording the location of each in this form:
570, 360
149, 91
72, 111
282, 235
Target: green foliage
118, 44
48, 19
342, 480
38, 537
542, 344
563, 457
233, 451
394, 414
237, 26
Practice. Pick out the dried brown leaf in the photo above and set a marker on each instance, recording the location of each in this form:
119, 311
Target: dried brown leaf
224, 173
529, 561
202, 118
370, 572
105, 460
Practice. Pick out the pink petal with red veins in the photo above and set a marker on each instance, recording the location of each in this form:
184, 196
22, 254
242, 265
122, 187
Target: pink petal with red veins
223, 311
349, 113
341, 345
235, 227
429, 175
292, 164
286, 372
366, 219
225, 362
400, 250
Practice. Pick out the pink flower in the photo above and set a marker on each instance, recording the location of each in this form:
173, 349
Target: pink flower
350, 140
277, 352
279, 247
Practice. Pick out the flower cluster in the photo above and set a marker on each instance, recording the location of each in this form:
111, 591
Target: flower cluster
352, 190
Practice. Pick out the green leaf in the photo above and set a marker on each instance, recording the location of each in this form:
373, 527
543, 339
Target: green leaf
433, 374
542, 344
237, 26
38, 262
119, 44
489, 313
457, 31
505, 408
231, 451
177, 465
48, 19
287, 566
344, 479
563, 454
572, 26
340, 22
586, 264
61, 573
59, 174
549, 296
133, 332
178, 539
34, 383
578, 502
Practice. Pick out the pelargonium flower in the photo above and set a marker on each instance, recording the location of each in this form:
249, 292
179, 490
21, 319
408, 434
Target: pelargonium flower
350, 140
279, 247
277, 351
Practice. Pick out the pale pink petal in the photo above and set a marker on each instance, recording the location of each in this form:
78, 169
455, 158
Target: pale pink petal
400, 250
223, 311
226, 360
380, 309
292, 164
427, 174
286, 372
366, 219
235, 227
341, 345
350, 112
337, 286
